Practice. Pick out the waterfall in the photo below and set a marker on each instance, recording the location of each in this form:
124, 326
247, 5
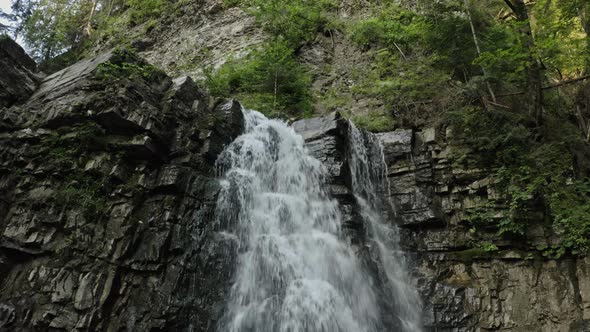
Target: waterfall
371, 190
295, 270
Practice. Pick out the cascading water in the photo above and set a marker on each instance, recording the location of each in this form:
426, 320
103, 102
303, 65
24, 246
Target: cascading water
295, 269
371, 189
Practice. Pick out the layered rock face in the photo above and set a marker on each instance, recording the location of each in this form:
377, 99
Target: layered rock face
107, 199
19, 73
463, 287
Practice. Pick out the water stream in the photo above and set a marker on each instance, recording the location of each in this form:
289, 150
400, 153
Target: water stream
371, 189
295, 269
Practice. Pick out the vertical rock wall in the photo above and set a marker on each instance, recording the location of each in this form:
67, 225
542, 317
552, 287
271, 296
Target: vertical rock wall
466, 288
107, 200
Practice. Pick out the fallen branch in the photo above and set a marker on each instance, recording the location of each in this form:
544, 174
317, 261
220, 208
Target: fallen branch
498, 105
552, 86
400, 50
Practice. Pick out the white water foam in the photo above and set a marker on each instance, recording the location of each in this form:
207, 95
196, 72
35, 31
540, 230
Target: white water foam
295, 270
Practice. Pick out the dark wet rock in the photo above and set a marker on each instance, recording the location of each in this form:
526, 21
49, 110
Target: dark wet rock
316, 128
19, 77
107, 200
325, 139
226, 123
397, 143
465, 288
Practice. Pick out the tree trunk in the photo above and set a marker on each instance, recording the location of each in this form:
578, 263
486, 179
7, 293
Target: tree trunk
584, 15
534, 70
476, 42
88, 28
274, 106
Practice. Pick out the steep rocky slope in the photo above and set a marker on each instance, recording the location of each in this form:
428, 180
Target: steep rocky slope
206, 34
107, 199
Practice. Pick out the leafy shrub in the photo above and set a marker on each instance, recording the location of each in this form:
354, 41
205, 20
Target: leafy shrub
269, 79
141, 11
126, 64
296, 21
413, 60
375, 122
530, 174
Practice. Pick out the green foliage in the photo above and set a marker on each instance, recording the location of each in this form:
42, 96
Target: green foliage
488, 247
126, 65
59, 32
530, 174
571, 213
489, 216
53, 27
402, 83
504, 55
391, 27
497, 138
141, 11
111, 71
269, 79
374, 122
565, 50
415, 56
86, 192
296, 21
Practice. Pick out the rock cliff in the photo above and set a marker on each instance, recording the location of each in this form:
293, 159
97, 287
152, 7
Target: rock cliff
107, 210
463, 287
107, 196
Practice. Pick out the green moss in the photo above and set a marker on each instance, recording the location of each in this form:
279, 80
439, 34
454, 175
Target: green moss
84, 192
375, 122
125, 64
469, 255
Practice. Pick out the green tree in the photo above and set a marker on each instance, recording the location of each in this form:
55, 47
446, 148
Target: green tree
578, 9
534, 79
269, 79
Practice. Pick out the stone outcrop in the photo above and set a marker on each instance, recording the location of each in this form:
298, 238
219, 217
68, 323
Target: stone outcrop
465, 287
19, 78
107, 201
